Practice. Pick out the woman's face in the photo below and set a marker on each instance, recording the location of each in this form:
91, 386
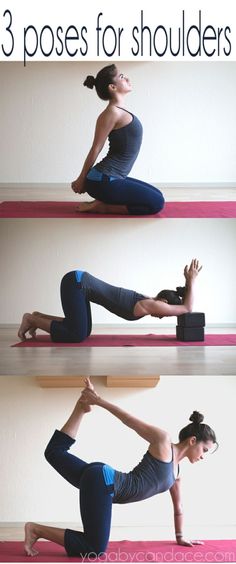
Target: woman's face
122, 83
198, 450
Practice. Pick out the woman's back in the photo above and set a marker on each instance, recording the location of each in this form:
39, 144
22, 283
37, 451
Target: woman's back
124, 146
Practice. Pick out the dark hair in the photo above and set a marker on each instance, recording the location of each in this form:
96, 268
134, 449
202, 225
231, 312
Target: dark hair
197, 429
171, 296
104, 77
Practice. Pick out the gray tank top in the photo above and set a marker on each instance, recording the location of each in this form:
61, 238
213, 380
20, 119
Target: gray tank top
119, 301
124, 146
150, 477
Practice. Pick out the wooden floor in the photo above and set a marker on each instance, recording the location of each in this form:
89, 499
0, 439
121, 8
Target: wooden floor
116, 361
59, 192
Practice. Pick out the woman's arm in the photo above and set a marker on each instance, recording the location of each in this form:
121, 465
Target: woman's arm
105, 123
158, 308
148, 432
190, 274
175, 492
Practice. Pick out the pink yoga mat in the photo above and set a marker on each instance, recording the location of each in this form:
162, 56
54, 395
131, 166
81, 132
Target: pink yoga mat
128, 551
67, 209
133, 341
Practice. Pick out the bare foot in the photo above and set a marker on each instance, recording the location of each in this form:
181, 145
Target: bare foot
32, 333
38, 313
25, 326
30, 539
88, 384
84, 406
100, 207
87, 207
82, 402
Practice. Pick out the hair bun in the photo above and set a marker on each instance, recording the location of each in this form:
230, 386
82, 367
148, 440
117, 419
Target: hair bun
89, 81
181, 291
196, 418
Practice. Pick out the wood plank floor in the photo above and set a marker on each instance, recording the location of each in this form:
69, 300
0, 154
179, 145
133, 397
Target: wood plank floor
116, 361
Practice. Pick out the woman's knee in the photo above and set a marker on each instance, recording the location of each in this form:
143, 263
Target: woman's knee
52, 449
68, 278
48, 454
93, 550
97, 550
158, 202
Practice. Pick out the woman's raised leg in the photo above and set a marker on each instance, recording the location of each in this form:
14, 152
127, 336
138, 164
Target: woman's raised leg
67, 465
72, 424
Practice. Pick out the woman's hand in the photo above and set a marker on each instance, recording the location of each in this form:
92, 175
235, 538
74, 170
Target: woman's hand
78, 186
191, 272
88, 395
184, 542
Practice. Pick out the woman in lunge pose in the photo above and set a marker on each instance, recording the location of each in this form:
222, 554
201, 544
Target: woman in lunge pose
100, 485
108, 181
79, 288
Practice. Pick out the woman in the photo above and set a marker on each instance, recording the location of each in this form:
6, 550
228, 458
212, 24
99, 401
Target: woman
101, 486
108, 180
79, 288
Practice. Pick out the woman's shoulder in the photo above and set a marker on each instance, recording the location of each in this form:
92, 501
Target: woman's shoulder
111, 109
109, 114
162, 449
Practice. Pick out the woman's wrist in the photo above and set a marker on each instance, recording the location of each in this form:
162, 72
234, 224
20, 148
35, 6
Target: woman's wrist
105, 404
189, 282
100, 401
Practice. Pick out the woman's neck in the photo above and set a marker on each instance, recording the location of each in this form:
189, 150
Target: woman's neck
180, 451
117, 100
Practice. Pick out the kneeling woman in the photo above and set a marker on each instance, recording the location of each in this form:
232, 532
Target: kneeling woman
79, 288
100, 485
107, 181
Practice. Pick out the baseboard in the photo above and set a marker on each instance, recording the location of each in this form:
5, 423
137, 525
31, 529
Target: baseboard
149, 328
15, 531
158, 183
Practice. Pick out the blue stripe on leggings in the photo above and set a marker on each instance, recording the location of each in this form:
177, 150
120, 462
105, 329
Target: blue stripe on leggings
98, 176
94, 174
109, 476
78, 275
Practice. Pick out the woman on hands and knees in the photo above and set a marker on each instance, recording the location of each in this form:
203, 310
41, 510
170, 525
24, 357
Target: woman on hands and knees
108, 181
101, 486
79, 289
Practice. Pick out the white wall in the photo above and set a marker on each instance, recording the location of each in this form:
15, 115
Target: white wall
31, 490
139, 254
188, 111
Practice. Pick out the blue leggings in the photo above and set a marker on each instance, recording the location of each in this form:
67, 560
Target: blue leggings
78, 289
95, 497
139, 197
77, 324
